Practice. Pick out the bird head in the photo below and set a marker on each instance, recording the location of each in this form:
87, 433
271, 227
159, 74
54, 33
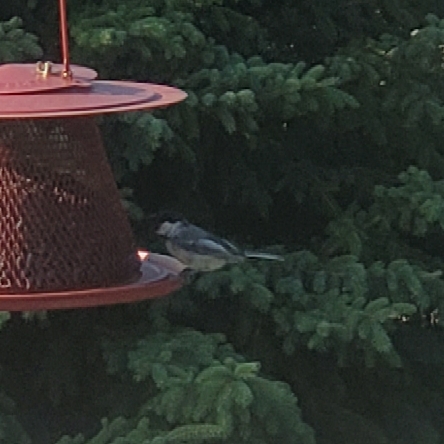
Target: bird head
164, 221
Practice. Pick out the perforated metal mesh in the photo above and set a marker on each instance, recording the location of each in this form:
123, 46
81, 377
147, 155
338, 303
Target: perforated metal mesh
62, 225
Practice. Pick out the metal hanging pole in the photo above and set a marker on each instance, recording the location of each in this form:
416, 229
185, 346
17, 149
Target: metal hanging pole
67, 73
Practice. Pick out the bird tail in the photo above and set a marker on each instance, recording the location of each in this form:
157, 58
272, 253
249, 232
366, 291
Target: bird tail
266, 256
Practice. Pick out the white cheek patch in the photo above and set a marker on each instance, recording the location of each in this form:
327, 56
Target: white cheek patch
168, 228
163, 228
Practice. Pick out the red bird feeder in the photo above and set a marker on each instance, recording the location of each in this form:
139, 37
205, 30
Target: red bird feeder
65, 240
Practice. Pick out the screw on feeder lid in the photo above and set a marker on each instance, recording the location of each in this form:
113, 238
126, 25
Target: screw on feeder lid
44, 76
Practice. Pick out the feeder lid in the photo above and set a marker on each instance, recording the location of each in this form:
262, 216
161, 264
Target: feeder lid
27, 91
160, 275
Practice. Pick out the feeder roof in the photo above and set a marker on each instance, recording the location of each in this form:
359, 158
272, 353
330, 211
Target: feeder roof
33, 91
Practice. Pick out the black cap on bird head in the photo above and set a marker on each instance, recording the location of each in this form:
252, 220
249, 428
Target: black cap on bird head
157, 219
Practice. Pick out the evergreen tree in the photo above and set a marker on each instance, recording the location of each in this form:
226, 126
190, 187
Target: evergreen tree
315, 127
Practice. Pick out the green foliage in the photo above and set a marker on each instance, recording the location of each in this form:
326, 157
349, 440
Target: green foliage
415, 206
312, 30
4, 317
343, 307
231, 94
16, 45
338, 305
299, 119
421, 57
238, 280
204, 391
152, 33
117, 431
242, 94
137, 137
180, 355
11, 431
395, 79
390, 227
134, 212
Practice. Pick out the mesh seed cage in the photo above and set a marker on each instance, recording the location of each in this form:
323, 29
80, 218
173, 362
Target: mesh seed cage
62, 224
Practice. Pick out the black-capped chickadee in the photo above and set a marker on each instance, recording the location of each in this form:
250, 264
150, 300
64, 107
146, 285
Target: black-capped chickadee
198, 249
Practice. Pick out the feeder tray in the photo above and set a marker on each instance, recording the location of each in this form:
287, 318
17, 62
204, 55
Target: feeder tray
65, 240
158, 277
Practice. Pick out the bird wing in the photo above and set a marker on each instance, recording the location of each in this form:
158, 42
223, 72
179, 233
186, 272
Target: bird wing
201, 242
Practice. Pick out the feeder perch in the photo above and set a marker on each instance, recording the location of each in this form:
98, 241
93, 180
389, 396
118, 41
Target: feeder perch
65, 241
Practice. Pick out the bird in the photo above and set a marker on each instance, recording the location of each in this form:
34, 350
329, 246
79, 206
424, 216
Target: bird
198, 249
